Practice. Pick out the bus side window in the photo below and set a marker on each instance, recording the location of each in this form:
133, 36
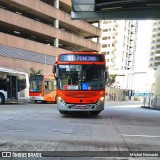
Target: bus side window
49, 85
35, 86
54, 85
46, 86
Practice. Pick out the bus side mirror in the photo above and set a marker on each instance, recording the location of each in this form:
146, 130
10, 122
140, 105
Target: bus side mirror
55, 71
106, 76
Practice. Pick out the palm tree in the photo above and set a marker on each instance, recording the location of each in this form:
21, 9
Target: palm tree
35, 72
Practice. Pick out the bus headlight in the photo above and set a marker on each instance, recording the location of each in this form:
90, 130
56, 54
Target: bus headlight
100, 100
62, 100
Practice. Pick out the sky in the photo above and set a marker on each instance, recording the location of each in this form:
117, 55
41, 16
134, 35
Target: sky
143, 82
143, 45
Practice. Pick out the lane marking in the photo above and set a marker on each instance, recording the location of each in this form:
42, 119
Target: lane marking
128, 135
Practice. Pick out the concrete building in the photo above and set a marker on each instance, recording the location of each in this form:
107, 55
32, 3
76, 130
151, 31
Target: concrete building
155, 45
118, 43
119, 46
33, 32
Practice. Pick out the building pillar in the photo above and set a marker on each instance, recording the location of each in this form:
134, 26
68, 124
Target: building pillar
56, 42
157, 84
56, 23
156, 100
99, 26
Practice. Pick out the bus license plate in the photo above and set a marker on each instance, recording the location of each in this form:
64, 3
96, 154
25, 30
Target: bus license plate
81, 107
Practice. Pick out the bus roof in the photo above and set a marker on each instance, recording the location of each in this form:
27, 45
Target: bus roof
85, 52
44, 76
10, 71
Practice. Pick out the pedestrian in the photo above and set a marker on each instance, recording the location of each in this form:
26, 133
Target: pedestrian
110, 96
114, 96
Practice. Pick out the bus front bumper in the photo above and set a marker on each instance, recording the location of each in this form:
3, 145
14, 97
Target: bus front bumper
80, 107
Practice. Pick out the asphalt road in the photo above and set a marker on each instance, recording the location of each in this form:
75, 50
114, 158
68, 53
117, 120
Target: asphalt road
122, 126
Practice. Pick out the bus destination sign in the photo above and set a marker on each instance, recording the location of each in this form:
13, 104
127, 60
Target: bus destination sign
86, 58
80, 57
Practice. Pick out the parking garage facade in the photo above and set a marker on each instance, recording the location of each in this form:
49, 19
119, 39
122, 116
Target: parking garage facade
33, 33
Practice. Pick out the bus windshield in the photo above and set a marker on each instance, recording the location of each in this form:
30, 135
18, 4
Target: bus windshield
81, 77
36, 84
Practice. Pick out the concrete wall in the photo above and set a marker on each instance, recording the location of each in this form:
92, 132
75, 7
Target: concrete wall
24, 66
118, 94
31, 25
50, 11
26, 44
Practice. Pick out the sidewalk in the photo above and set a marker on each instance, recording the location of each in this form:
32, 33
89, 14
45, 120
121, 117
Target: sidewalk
117, 103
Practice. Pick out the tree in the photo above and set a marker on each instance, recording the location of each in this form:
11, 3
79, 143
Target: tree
111, 79
35, 72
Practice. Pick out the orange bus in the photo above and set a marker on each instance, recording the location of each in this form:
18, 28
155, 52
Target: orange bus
81, 78
42, 88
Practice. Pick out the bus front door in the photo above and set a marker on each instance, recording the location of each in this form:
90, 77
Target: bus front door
12, 90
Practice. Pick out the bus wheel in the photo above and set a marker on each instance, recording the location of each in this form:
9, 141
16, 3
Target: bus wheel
94, 113
56, 100
63, 112
1, 99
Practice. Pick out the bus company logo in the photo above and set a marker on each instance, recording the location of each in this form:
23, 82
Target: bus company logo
6, 154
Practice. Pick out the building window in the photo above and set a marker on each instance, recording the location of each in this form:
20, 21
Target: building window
104, 45
104, 53
105, 22
158, 46
104, 38
105, 30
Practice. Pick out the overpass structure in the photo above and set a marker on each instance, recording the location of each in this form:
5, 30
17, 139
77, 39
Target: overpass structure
115, 9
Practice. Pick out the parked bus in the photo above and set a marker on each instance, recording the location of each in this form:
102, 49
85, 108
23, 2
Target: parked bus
81, 80
14, 86
42, 88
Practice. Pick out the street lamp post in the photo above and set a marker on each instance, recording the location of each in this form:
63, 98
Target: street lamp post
45, 57
45, 64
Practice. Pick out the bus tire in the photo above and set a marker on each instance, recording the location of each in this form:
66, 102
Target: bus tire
63, 112
2, 99
56, 100
94, 113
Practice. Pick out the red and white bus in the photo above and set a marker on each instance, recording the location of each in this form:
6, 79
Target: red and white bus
42, 88
81, 78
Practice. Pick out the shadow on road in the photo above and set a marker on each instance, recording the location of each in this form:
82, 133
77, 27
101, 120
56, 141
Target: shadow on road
79, 114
